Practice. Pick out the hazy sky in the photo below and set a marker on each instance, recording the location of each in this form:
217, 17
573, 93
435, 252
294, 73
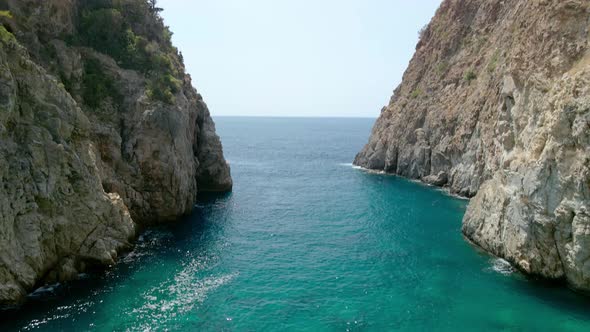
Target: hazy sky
296, 57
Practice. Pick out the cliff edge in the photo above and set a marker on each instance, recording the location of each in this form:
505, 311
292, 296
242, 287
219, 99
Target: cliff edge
101, 132
495, 105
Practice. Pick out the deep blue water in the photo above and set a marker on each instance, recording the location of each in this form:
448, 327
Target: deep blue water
308, 243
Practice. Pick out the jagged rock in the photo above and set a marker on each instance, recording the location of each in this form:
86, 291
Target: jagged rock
439, 179
76, 180
497, 97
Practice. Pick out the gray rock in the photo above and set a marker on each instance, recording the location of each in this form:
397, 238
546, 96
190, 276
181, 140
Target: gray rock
54, 213
77, 181
514, 133
437, 180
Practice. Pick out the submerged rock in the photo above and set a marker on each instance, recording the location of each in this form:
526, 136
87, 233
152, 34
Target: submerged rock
92, 144
497, 98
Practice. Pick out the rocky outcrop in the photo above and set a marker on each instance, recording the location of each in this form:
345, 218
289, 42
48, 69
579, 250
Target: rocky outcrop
91, 149
495, 105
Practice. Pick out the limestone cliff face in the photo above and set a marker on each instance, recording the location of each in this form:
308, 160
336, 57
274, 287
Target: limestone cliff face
94, 142
495, 105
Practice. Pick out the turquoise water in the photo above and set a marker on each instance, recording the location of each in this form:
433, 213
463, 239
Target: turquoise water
307, 243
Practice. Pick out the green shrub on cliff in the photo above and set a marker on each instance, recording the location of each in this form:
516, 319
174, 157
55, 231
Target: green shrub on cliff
469, 76
416, 93
6, 36
164, 87
493, 62
97, 86
5, 13
105, 30
133, 33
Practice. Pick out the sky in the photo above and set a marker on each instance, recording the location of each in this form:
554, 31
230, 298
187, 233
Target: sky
328, 58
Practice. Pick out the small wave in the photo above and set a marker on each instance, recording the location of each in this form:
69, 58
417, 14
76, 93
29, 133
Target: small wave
444, 190
361, 168
182, 293
45, 291
447, 191
501, 266
61, 313
147, 245
351, 165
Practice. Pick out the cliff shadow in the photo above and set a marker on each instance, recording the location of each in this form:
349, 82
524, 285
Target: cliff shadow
169, 245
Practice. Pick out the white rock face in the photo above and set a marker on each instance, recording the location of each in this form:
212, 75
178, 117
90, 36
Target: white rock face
496, 104
534, 211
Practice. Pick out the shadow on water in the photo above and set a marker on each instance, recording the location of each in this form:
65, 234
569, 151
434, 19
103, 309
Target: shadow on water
554, 293
201, 220
213, 197
158, 242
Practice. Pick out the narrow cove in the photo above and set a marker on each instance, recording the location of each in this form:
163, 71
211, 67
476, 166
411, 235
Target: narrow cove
306, 242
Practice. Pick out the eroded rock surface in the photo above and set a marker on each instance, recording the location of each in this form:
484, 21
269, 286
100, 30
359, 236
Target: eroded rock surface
495, 105
78, 174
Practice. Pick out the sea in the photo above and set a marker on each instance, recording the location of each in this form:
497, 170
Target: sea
306, 242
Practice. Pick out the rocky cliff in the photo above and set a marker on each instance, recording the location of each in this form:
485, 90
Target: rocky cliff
101, 132
495, 105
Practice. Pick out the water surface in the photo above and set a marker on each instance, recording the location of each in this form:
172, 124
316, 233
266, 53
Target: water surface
307, 243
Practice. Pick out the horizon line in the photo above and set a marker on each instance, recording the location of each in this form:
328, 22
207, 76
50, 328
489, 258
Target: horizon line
295, 116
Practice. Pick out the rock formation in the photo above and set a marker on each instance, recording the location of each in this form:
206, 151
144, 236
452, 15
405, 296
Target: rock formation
101, 132
495, 105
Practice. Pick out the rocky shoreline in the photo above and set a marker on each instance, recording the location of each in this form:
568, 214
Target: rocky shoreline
101, 134
495, 105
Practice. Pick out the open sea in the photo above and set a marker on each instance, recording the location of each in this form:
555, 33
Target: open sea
306, 242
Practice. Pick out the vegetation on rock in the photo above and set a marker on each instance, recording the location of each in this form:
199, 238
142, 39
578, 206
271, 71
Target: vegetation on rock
469, 75
133, 33
101, 131
98, 86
